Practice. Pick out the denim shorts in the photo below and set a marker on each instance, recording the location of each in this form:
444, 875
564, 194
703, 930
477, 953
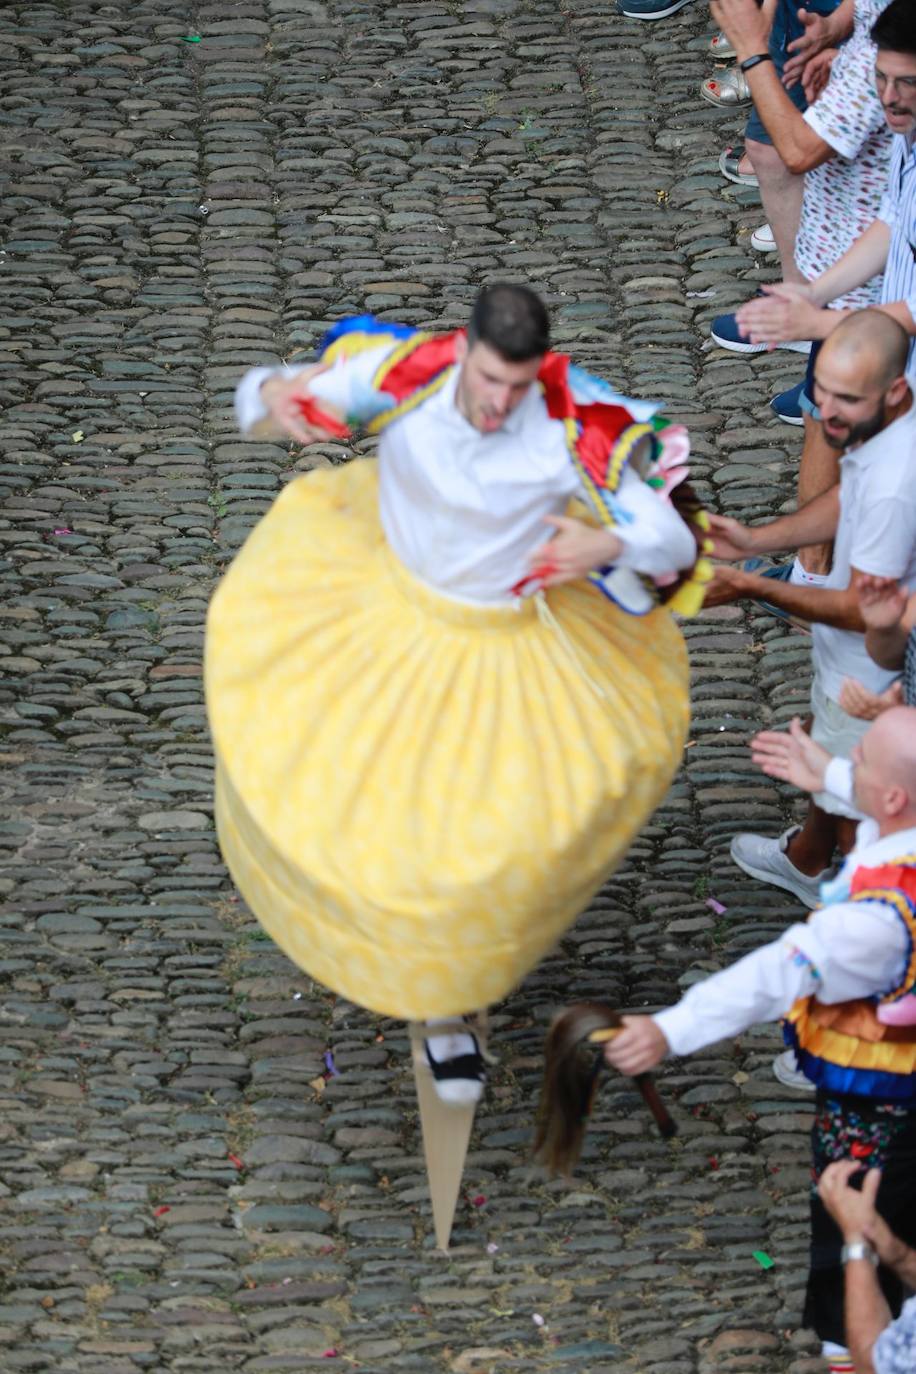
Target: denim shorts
806, 399
785, 30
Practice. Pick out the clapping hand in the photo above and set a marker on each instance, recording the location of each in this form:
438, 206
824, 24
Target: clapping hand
785, 311
882, 601
856, 699
792, 756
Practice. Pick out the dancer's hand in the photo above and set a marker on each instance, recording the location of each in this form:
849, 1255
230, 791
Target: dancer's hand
638, 1047
574, 551
280, 397
856, 700
792, 756
882, 601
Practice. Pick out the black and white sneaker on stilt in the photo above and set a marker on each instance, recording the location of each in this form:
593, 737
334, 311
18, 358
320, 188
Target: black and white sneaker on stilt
456, 1064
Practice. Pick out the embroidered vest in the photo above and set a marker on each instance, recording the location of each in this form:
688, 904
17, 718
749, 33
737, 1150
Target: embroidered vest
867, 1046
602, 437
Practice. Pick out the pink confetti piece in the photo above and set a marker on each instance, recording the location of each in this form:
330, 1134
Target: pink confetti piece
715, 906
492, 1248
478, 1201
330, 1354
234, 1159
63, 530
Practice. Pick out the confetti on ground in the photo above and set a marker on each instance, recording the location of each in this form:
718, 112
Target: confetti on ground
63, 530
478, 1201
763, 1259
190, 38
492, 1248
330, 1065
77, 436
161, 1211
715, 906
538, 1319
234, 1159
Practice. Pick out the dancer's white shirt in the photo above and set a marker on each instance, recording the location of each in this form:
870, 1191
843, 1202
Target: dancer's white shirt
464, 511
843, 951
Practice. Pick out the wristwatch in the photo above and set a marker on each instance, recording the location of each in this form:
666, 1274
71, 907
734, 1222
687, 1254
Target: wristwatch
754, 61
859, 1249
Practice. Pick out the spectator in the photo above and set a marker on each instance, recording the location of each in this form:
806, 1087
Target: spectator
817, 21
789, 311
876, 1344
843, 973
868, 414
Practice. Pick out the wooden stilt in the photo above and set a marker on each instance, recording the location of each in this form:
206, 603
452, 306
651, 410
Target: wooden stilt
446, 1131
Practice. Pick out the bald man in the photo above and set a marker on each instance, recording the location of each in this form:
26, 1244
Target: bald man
868, 416
845, 981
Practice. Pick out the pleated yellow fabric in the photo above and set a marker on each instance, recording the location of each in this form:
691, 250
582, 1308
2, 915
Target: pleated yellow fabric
417, 796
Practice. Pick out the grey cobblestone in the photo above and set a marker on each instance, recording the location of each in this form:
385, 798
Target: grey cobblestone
189, 190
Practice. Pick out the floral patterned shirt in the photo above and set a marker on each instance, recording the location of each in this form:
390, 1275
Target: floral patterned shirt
843, 195
895, 1349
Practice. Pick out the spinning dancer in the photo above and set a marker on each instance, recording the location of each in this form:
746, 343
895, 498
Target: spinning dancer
846, 980
426, 764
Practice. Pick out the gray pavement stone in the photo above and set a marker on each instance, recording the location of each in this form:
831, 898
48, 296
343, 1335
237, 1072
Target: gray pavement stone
179, 1190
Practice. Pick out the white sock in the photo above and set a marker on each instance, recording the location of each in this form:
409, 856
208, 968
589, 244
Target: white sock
801, 577
458, 1091
839, 1360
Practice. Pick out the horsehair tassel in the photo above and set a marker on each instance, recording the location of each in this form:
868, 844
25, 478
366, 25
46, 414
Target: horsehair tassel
571, 1072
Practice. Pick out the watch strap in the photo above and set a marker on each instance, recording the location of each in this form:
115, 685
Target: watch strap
858, 1250
754, 61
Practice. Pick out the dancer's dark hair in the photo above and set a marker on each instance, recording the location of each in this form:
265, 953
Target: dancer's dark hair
572, 1067
512, 320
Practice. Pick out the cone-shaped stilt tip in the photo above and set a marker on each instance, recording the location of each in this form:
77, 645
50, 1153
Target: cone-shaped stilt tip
446, 1133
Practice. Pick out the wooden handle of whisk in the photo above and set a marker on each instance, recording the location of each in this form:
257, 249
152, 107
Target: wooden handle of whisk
646, 1085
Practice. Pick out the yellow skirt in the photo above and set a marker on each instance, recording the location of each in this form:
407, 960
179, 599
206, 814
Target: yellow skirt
414, 795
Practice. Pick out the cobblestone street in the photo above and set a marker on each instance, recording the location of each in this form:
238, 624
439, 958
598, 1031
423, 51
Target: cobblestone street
184, 1184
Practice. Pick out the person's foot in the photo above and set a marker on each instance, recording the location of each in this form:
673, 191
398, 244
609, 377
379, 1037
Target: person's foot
787, 405
726, 334
769, 861
763, 240
735, 165
456, 1064
787, 1072
719, 46
650, 9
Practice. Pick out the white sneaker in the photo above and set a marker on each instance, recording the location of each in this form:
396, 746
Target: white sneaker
767, 860
763, 239
787, 1072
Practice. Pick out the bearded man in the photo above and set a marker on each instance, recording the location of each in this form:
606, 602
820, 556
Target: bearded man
867, 414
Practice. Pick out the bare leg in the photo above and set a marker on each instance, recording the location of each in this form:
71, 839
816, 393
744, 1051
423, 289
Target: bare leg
811, 849
781, 193
818, 471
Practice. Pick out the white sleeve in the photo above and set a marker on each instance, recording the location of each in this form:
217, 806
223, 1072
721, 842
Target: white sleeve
838, 780
656, 541
844, 951
346, 385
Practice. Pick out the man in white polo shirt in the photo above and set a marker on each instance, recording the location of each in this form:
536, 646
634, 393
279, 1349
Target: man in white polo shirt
868, 415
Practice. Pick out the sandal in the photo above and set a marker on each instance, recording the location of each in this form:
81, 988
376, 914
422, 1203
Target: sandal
719, 46
730, 164
729, 91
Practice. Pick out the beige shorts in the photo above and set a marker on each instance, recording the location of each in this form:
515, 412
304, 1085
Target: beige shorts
838, 732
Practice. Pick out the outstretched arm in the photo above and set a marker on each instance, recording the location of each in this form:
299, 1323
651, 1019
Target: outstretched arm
844, 951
